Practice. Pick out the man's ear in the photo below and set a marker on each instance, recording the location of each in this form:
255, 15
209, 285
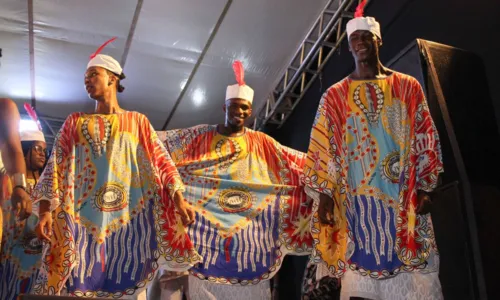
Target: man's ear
111, 79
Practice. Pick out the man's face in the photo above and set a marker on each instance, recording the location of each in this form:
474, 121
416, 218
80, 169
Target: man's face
38, 155
364, 45
98, 82
237, 111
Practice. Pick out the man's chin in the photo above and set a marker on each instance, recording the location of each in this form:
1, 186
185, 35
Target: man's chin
94, 96
365, 57
238, 123
237, 126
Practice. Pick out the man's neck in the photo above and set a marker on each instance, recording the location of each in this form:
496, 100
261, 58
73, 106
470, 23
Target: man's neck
107, 106
369, 70
229, 130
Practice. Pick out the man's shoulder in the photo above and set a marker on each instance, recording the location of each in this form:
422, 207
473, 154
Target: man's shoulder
337, 93
256, 133
339, 86
74, 115
139, 116
405, 78
261, 136
269, 141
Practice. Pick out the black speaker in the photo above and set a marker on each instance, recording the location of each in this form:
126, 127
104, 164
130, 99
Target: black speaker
465, 203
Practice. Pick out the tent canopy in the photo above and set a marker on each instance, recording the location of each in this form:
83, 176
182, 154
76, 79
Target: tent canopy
46, 47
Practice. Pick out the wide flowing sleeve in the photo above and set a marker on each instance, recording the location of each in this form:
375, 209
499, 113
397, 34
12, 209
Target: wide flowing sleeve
427, 148
179, 250
170, 178
58, 173
322, 165
296, 160
176, 142
324, 173
297, 207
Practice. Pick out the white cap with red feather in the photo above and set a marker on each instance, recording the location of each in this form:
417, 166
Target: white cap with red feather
239, 90
105, 61
32, 135
363, 23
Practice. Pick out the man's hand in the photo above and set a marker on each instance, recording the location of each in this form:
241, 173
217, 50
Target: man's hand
424, 203
21, 203
184, 209
44, 227
325, 209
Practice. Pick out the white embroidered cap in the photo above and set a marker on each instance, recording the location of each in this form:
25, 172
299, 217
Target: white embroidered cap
363, 23
239, 91
106, 62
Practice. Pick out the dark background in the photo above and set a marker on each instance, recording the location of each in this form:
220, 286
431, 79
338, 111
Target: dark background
470, 25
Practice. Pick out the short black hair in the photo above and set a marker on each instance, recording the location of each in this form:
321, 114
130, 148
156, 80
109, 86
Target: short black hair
120, 88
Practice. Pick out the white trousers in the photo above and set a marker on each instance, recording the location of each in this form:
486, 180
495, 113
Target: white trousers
205, 290
405, 286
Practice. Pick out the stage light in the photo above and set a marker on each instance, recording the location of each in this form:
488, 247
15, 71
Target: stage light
198, 97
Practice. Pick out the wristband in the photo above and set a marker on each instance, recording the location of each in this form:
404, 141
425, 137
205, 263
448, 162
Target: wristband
19, 180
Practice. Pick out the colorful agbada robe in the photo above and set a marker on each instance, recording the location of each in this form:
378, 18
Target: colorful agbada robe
20, 252
110, 182
251, 208
373, 145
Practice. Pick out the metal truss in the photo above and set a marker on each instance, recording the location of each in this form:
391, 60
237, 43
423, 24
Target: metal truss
50, 128
320, 44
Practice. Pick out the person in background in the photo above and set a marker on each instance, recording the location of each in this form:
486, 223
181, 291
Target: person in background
21, 253
12, 166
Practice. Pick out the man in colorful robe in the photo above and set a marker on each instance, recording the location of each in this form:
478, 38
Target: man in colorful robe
374, 154
251, 208
111, 192
21, 251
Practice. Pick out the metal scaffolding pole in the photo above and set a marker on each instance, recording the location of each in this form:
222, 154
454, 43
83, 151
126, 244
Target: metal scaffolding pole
320, 43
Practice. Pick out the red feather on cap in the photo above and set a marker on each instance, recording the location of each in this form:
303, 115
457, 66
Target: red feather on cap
31, 112
102, 47
239, 72
360, 9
